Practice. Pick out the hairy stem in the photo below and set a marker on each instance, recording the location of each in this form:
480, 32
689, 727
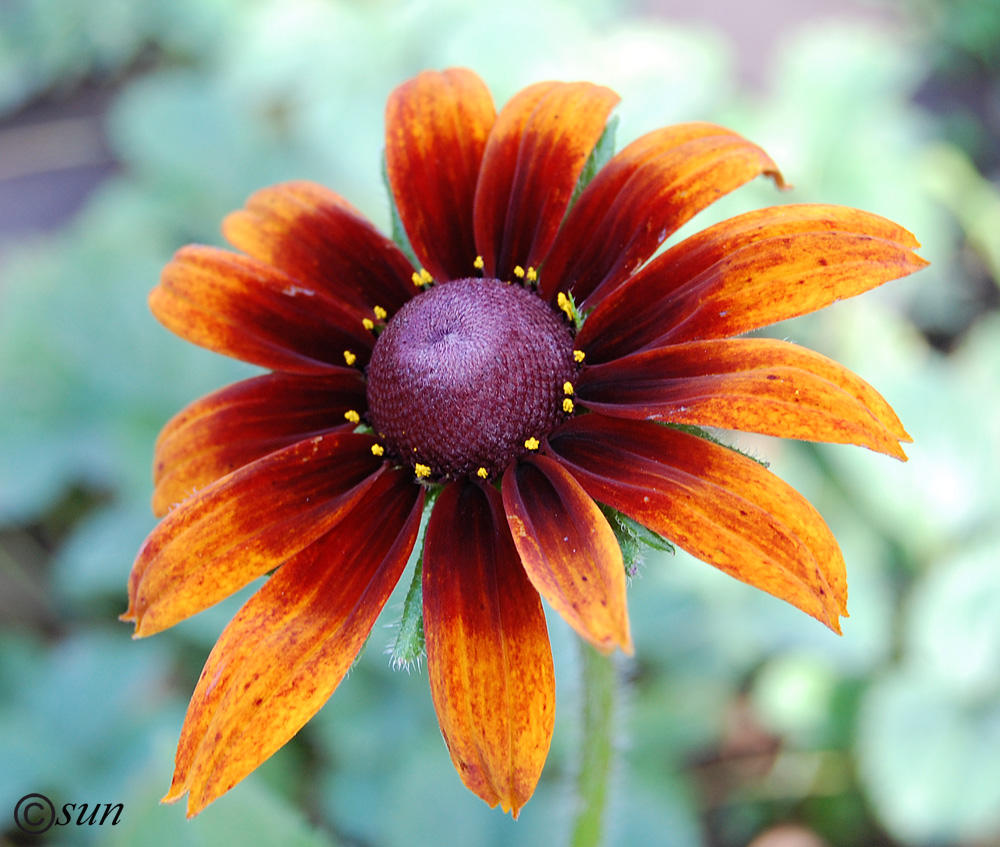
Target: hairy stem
599, 698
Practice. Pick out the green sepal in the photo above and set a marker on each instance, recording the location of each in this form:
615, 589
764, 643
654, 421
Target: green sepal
409, 648
598, 158
398, 232
574, 313
699, 432
633, 539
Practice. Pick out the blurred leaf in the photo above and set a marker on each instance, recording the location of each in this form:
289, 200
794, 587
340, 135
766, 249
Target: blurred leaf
842, 126
57, 43
930, 763
96, 559
57, 723
953, 624
947, 491
249, 815
952, 180
793, 694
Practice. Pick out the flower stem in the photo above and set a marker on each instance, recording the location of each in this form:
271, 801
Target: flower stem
599, 697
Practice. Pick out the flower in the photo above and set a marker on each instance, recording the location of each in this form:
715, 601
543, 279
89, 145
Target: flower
474, 378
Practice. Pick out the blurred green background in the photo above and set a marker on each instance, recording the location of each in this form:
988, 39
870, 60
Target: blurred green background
130, 127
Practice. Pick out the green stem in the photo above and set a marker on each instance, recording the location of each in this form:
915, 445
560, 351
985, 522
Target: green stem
599, 697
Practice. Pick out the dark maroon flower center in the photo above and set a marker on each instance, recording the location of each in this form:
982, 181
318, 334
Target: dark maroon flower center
468, 376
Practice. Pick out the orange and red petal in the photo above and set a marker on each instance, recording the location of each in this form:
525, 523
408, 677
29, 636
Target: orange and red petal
249, 310
240, 423
569, 550
750, 384
436, 126
717, 504
488, 655
322, 243
640, 198
533, 159
748, 272
246, 524
291, 644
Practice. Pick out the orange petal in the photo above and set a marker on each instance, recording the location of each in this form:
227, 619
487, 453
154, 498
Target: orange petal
322, 242
244, 308
716, 503
291, 644
436, 126
747, 272
243, 422
488, 655
641, 197
751, 384
533, 159
244, 525
569, 550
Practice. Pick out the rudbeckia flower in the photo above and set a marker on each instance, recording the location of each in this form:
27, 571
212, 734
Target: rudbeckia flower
537, 361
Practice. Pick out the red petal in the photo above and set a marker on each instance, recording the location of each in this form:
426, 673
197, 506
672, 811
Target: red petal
436, 126
533, 159
243, 308
755, 385
715, 503
488, 655
319, 240
569, 550
291, 644
641, 197
243, 422
244, 525
747, 272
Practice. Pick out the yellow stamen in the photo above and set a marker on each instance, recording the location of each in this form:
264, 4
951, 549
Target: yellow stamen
564, 303
518, 271
368, 324
417, 279
482, 473
425, 276
578, 356
567, 387
479, 264
422, 471
532, 274
567, 405
531, 444
380, 313
352, 416
349, 357
377, 449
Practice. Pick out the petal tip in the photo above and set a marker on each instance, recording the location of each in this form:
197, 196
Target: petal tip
173, 795
627, 646
607, 641
513, 807
779, 179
